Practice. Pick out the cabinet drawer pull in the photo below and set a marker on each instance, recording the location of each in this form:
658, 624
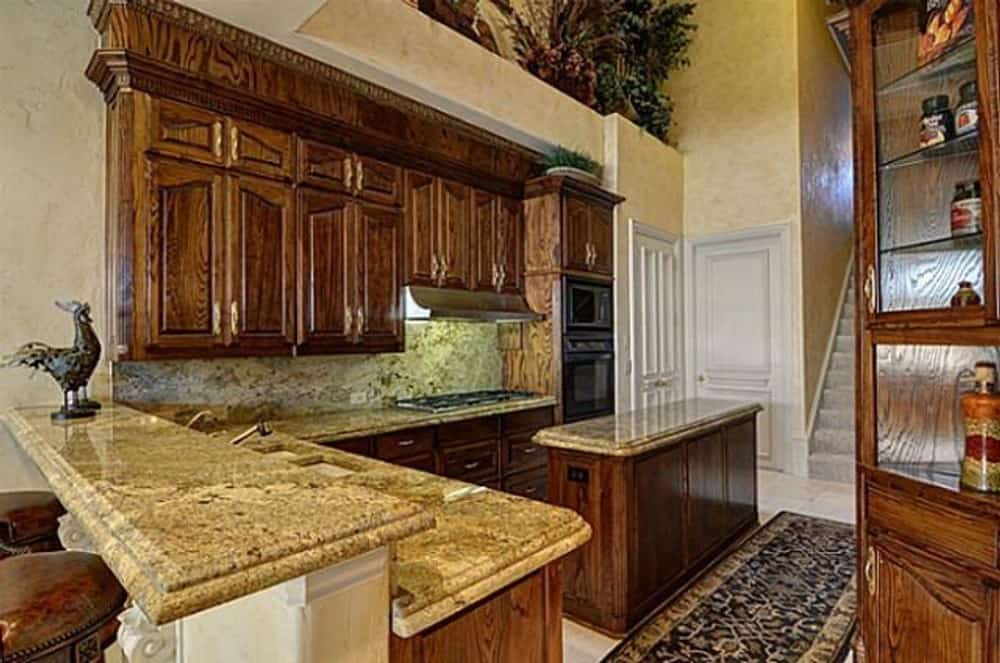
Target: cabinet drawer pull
870, 571
530, 490
473, 465
217, 139
360, 176
529, 450
217, 319
348, 321
234, 149
359, 321
870, 289
235, 318
496, 276
406, 443
348, 173
434, 267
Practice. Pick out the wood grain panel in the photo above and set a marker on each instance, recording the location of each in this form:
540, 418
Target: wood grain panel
741, 454
454, 232
259, 150
484, 240
421, 228
380, 277
185, 131
659, 529
576, 233
380, 182
707, 510
602, 239
509, 242
324, 166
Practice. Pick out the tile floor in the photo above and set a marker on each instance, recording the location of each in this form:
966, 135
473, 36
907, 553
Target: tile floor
776, 492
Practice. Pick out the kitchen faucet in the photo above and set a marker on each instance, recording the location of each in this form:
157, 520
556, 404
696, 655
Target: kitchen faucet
262, 428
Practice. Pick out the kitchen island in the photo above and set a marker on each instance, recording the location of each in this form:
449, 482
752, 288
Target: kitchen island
666, 490
298, 552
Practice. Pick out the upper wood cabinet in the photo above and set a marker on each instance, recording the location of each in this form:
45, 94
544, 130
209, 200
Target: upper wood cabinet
498, 243
438, 233
335, 169
185, 132
913, 251
378, 299
259, 150
589, 236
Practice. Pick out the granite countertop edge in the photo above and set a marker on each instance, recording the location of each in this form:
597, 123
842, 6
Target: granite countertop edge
560, 439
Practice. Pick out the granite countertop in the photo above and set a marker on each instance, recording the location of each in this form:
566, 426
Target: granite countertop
188, 522
191, 522
484, 540
639, 431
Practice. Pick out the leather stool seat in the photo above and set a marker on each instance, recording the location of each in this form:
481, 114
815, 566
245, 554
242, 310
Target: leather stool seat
29, 521
57, 606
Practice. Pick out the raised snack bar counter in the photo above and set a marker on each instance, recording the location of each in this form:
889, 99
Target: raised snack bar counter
666, 491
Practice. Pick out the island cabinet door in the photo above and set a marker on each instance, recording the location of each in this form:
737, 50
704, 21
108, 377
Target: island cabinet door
261, 311
326, 280
925, 609
741, 472
658, 536
708, 512
184, 235
378, 315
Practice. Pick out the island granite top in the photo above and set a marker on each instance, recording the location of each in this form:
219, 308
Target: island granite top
638, 431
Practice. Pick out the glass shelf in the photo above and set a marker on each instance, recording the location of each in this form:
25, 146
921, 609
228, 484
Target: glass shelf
959, 58
967, 145
960, 243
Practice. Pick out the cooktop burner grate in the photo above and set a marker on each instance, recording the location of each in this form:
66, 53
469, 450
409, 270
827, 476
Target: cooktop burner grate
446, 402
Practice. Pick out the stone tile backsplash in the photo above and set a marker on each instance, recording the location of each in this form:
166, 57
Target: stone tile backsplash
440, 357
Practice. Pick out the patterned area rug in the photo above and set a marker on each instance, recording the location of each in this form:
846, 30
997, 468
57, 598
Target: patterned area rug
786, 594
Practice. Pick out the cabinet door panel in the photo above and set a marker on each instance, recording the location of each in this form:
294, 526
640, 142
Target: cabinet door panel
602, 239
379, 274
380, 182
262, 266
325, 275
185, 244
454, 229
484, 263
708, 513
509, 238
421, 211
259, 150
659, 526
325, 166
576, 231
741, 474
186, 131
929, 611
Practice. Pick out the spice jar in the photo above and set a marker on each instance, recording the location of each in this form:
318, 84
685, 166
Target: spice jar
981, 416
967, 209
938, 122
967, 113
965, 296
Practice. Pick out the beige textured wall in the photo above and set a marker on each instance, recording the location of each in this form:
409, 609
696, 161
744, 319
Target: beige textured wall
51, 182
737, 117
827, 185
51, 196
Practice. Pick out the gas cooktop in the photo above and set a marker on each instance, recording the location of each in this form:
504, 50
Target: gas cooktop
456, 401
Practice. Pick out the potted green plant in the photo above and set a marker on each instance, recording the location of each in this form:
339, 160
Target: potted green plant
571, 163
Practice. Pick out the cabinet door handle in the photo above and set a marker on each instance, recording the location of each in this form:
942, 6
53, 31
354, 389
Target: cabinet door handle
217, 319
348, 321
360, 168
234, 148
496, 275
503, 277
530, 490
442, 271
473, 465
406, 443
217, 139
348, 173
527, 451
870, 289
359, 321
434, 267
234, 320
870, 570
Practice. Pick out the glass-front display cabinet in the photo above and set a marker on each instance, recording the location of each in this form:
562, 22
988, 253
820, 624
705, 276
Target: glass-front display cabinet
925, 86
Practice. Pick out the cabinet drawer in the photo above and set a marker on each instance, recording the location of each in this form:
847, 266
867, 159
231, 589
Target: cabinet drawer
380, 182
404, 444
324, 166
520, 453
473, 430
361, 446
259, 150
532, 484
423, 462
187, 132
528, 420
961, 534
471, 462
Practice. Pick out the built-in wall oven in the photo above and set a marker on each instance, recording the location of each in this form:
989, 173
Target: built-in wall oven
588, 350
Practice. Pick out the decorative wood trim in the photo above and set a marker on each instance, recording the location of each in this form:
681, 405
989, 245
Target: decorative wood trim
541, 186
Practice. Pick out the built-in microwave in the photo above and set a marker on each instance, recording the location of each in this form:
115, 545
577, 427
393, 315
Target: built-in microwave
587, 306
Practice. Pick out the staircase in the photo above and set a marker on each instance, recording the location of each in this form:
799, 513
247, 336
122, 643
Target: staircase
831, 449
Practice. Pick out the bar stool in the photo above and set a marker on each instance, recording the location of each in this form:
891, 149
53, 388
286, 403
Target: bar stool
57, 607
29, 522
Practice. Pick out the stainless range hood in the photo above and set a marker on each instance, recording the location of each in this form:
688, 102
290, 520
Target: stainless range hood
424, 303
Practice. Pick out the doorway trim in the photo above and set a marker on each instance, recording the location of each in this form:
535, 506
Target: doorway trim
636, 229
783, 316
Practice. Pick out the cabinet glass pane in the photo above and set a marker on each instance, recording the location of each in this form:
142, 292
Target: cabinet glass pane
924, 157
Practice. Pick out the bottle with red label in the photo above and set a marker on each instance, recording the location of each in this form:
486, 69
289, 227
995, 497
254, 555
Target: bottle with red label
967, 209
981, 416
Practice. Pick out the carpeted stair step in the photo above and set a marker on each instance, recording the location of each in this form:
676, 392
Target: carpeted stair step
832, 467
835, 419
838, 442
839, 377
838, 397
844, 344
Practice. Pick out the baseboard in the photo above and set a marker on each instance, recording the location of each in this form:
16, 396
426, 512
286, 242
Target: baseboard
831, 343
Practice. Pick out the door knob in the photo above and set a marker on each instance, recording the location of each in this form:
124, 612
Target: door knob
702, 378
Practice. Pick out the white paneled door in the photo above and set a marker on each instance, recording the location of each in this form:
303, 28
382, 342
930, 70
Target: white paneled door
657, 376
739, 327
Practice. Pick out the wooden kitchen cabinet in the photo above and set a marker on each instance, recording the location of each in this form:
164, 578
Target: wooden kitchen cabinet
183, 215
186, 132
341, 171
261, 232
707, 498
498, 243
576, 212
379, 295
259, 150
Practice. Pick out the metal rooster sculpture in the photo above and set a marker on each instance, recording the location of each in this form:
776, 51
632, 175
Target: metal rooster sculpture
70, 367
